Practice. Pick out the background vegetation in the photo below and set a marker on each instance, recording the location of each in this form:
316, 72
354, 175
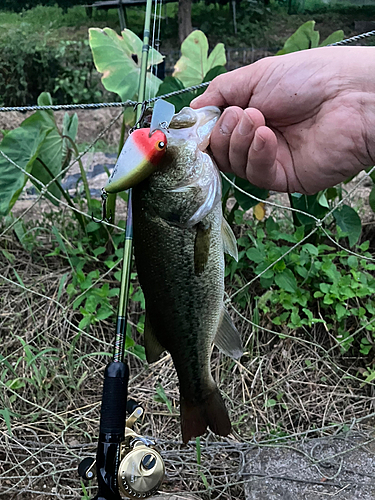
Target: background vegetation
301, 293
46, 48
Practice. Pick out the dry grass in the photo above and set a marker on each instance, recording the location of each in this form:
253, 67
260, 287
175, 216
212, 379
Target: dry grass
295, 386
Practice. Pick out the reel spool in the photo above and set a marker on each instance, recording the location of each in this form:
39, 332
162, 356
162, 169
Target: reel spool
141, 470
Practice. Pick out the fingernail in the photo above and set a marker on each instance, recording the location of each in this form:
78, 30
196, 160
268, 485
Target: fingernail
246, 125
258, 143
228, 123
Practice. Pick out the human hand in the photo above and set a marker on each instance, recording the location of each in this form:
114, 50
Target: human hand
300, 122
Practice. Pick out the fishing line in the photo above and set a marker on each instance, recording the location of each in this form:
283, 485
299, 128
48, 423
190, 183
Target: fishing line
152, 50
157, 42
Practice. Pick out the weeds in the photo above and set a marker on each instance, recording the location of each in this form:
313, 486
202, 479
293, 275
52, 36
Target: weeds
307, 325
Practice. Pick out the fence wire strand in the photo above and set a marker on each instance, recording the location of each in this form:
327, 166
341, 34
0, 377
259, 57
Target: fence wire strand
29, 460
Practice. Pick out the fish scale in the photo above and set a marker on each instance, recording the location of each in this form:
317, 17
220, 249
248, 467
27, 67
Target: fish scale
180, 304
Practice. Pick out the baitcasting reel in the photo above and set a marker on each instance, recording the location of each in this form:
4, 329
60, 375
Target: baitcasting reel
141, 470
126, 465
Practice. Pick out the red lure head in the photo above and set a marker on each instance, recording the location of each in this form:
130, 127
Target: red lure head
138, 159
152, 147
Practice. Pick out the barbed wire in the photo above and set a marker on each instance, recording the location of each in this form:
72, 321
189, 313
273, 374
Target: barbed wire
99, 105
356, 38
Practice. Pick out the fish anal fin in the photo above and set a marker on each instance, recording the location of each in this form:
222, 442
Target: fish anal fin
227, 338
153, 347
201, 247
196, 417
229, 240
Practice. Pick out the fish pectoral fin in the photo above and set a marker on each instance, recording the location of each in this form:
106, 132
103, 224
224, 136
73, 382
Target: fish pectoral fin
227, 337
201, 247
229, 240
153, 347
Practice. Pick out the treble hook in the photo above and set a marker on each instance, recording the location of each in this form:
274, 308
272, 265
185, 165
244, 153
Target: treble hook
143, 110
104, 218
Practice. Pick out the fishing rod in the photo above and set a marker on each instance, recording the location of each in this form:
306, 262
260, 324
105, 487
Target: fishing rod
126, 463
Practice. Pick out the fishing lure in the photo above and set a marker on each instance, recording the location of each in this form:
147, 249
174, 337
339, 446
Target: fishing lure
142, 151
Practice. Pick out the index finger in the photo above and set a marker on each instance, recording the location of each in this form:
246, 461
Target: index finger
229, 89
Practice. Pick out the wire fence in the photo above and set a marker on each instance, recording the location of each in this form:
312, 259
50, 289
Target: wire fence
41, 443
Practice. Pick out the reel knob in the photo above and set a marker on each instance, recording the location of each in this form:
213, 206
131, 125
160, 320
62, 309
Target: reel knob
86, 468
141, 472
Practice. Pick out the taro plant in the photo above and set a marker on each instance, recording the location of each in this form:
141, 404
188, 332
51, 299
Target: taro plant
39, 150
118, 58
42, 150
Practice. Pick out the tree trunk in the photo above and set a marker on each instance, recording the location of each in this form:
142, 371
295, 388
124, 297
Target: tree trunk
184, 19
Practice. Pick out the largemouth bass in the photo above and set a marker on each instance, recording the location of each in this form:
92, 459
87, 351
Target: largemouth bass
180, 237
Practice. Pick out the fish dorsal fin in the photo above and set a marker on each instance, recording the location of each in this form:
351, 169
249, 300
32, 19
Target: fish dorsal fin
153, 347
227, 337
229, 240
201, 247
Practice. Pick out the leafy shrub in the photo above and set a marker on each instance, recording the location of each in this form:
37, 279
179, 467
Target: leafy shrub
29, 66
22, 5
77, 80
312, 283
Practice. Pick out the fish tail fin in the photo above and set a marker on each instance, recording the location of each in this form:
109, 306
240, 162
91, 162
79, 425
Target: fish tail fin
211, 412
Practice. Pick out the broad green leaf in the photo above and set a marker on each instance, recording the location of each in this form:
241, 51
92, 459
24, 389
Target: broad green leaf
353, 262
255, 255
340, 311
334, 37
49, 161
349, 221
194, 63
322, 200
22, 145
311, 249
171, 84
304, 38
309, 204
50, 154
119, 59
213, 73
286, 281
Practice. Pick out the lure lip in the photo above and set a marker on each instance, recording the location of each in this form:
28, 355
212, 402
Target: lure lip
138, 159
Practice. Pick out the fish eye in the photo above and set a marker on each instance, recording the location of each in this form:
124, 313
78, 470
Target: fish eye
160, 145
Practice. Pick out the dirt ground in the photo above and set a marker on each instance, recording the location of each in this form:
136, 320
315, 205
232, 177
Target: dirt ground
90, 123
